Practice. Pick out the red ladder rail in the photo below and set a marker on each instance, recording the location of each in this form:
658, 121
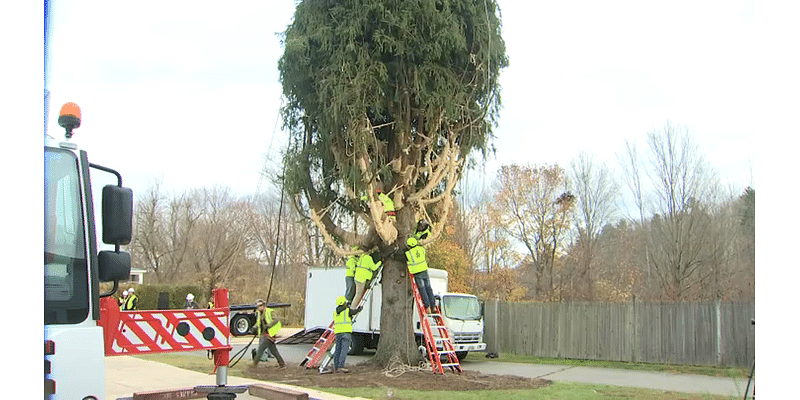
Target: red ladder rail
320, 348
431, 341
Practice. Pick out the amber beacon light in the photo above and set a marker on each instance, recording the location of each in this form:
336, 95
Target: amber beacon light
69, 117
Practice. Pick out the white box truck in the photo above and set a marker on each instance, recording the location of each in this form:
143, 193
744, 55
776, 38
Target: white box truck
462, 313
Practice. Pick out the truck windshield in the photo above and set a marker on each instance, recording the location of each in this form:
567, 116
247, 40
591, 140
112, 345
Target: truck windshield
66, 283
462, 307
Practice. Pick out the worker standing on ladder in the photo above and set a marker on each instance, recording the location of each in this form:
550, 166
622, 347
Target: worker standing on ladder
267, 327
364, 272
417, 266
350, 276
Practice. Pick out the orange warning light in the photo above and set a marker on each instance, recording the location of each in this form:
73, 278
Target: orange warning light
69, 117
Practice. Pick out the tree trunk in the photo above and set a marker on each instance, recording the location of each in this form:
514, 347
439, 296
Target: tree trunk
397, 340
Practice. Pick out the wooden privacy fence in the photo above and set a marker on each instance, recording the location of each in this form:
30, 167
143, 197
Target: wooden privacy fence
691, 333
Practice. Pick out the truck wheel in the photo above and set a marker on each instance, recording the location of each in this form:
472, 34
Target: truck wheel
461, 355
240, 325
356, 345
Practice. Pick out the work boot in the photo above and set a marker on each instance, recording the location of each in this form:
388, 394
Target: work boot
343, 370
282, 366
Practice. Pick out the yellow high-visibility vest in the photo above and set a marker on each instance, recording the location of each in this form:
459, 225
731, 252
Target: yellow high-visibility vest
415, 258
130, 304
268, 315
342, 323
365, 267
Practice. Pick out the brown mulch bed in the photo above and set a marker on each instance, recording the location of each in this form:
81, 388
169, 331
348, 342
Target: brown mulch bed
368, 375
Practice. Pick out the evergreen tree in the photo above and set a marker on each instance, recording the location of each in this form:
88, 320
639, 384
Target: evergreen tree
391, 95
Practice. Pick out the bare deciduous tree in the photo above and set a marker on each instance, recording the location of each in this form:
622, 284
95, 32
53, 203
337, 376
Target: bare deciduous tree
596, 195
682, 182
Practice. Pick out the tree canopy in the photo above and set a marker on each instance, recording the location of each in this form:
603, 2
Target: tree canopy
392, 95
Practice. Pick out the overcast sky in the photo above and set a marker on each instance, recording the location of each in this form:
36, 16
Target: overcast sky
187, 91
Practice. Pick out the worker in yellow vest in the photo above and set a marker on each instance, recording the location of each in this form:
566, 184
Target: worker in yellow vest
343, 328
418, 266
123, 300
423, 230
364, 272
388, 203
267, 327
350, 276
132, 303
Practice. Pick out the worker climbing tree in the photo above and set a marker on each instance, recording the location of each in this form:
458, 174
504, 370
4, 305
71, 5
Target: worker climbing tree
390, 113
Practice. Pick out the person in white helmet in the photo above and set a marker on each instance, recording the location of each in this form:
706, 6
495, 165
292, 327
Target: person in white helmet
132, 303
190, 303
123, 300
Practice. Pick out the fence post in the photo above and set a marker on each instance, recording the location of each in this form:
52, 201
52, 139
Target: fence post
718, 317
631, 328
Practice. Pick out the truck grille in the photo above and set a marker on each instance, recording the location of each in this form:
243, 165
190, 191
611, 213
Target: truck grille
467, 337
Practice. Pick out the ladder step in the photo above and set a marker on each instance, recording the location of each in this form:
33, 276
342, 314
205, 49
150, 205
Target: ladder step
452, 365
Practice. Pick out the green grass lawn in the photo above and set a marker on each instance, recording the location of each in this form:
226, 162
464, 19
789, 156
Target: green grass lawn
726, 372
557, 390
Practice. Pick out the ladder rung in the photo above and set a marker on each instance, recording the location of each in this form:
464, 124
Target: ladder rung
446, 352
451, 365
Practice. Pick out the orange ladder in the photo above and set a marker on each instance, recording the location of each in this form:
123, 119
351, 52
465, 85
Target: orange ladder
441, 338
319, 355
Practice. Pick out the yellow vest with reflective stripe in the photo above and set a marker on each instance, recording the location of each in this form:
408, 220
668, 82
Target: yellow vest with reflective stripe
268, 314
342, 322
130, 304
365, 267
415, 258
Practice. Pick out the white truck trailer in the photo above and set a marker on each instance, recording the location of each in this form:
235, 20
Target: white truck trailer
462, 313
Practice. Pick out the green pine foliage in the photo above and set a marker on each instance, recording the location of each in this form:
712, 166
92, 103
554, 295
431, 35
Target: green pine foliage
369, 80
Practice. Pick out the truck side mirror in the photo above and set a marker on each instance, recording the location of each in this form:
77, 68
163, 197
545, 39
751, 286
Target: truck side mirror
113, 266
482, 306
117, 215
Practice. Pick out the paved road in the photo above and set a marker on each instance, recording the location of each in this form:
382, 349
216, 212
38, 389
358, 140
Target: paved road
685, 383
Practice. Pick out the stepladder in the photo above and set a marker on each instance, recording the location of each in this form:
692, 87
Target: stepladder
438, 343
321, 354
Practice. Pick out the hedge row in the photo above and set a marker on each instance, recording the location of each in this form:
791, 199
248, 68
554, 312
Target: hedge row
149, 294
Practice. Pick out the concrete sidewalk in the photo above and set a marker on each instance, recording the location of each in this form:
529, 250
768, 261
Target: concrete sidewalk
127, 375
684, 383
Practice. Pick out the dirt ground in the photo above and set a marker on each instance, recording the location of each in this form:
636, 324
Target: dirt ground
401, 377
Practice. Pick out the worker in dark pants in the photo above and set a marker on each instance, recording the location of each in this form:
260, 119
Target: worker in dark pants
349, 276
343, 328
267, 327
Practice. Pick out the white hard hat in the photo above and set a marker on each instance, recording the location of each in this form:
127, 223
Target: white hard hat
190, 297
130, 290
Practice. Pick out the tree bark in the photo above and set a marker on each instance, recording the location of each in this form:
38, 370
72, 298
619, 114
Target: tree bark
397, 316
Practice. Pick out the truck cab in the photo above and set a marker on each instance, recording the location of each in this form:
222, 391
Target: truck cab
73, 267
463, 316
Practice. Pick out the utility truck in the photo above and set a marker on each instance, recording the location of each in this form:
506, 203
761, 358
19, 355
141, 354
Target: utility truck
462, 313
73, 268
83, 325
